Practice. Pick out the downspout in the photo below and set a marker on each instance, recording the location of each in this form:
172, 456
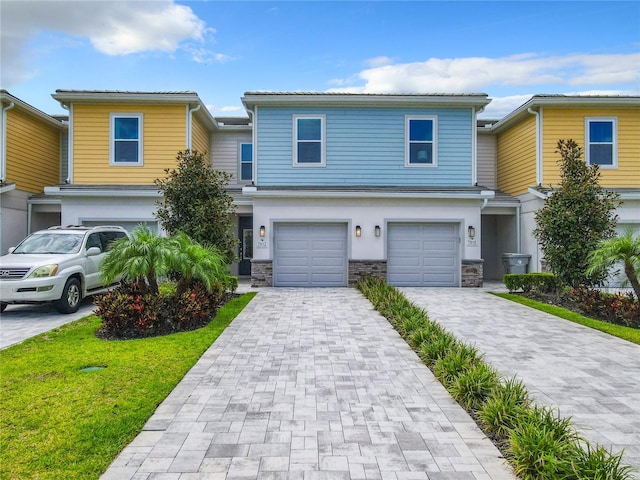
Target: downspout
69, 178
474, 147
252, 116
538, 146
3, 160
518, 232
189, 125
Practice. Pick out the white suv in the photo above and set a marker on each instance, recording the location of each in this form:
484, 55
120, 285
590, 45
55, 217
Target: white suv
60, 264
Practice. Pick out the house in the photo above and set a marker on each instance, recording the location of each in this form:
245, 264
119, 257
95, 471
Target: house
31, 148
353, 184
413, 188
607, 127
119, 143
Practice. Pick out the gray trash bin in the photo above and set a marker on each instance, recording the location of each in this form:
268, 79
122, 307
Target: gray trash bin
515, 262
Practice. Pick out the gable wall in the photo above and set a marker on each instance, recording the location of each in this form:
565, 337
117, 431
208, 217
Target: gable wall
517, 157
569, 123
33, 152
164, 134
364, 146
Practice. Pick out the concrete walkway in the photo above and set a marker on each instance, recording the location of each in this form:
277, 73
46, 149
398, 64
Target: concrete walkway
309, 384
590, 376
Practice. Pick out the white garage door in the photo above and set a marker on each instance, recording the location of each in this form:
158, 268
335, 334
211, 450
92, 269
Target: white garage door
423, 254
310, 255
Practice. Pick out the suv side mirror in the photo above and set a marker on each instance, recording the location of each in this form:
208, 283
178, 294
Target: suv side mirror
93, 251
11, 249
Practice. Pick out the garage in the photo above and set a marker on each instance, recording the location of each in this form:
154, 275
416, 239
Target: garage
310, 255
423, 254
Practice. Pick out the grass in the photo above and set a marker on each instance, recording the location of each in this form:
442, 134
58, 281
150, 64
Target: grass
626, 333
57, 421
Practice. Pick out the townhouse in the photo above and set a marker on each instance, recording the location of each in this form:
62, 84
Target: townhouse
328, 187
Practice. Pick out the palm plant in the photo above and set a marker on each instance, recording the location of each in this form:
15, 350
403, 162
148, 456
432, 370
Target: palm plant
193, 261
624, 249
142, 258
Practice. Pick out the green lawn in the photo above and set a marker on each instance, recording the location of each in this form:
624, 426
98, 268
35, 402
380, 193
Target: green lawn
58, 422
626, 333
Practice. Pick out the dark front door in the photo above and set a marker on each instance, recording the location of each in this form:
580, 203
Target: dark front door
245, 234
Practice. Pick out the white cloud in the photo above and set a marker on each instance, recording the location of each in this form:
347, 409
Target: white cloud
112, 27
379, 61
476, 74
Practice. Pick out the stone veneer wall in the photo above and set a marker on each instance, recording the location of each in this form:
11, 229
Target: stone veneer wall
472, 273
366, 268
262, 273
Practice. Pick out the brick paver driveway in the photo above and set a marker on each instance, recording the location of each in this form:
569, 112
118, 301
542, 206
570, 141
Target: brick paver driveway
589, 375
309, 384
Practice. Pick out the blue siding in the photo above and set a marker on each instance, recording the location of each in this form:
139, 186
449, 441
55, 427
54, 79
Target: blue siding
364, 146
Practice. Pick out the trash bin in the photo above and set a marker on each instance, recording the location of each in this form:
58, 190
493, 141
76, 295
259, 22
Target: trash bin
515, 262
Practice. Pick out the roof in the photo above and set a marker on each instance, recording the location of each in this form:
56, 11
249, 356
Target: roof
6, 99
564, 101
252, 99
67, 97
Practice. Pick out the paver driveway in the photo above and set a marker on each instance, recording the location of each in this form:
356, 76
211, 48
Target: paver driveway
589, 375
309, 384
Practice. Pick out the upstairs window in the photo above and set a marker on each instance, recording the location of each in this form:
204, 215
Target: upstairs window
126, 139
420, 141
308, 134
601, 148
246, 162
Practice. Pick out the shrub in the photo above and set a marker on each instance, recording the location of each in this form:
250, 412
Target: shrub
527, 282
474, 385
130, 311
457, 361
542, 445
618, 308
597, 463
504, 408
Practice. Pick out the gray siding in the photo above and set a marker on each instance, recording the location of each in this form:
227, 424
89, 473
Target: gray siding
487, 155
225, 152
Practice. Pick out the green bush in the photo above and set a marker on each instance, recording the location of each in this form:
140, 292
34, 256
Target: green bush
597, 463
458, 360
531, 282
503, 409
474, 385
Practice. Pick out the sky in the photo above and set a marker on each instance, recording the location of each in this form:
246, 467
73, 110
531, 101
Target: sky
509, 50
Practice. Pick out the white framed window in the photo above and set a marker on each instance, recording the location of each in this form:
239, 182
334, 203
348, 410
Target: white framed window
601, 134
309, 140
421, 141
246, 162
125, 139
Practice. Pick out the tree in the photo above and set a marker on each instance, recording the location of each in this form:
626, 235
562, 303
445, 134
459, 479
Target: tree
193, 261
575, 218
146, 257
625, 250
196, 203
142, 258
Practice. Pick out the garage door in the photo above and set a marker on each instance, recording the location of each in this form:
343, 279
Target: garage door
310, 255
423, 254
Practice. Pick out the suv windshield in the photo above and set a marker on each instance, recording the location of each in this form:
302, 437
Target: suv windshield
51, 243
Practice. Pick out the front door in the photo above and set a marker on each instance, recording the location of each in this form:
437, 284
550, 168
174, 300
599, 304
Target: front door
245, 234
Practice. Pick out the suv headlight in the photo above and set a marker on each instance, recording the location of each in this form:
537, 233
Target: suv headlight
44, 271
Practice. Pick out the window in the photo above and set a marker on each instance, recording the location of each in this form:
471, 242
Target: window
308, 134
126, 139
246, 162
601, 142
420, 141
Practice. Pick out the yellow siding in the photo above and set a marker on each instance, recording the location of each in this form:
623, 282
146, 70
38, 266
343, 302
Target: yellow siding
569, 123
517, 157
33, 152
164, 134
200, 137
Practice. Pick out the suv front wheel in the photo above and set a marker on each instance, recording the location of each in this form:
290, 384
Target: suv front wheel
71, 295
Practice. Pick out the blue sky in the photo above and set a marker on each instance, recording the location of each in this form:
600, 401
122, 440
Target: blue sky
220, 49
